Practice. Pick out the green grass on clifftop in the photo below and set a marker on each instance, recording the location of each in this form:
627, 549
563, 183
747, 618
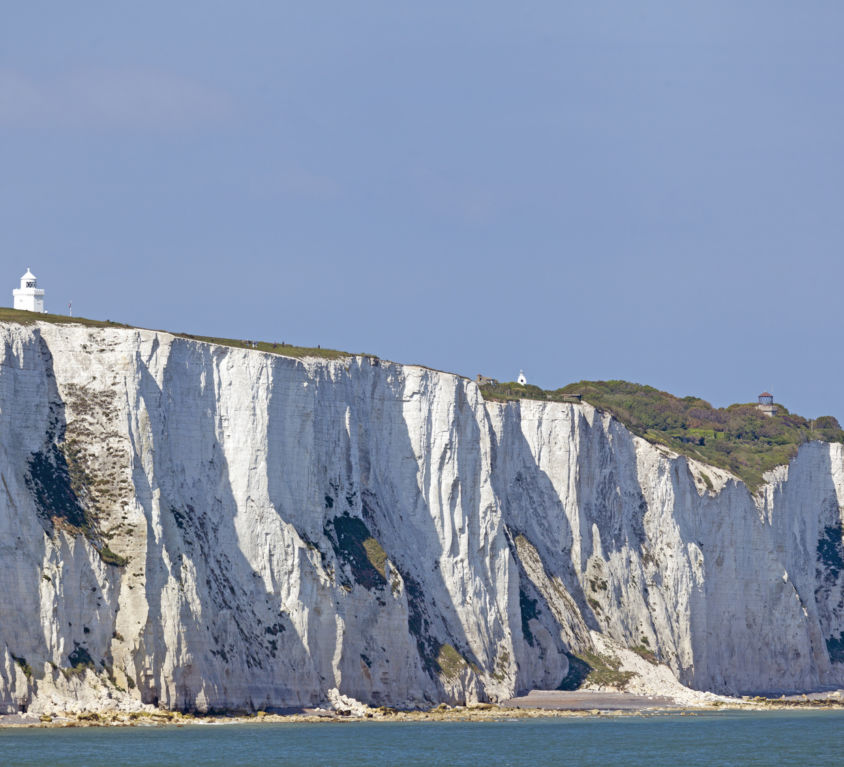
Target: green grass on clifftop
510, 391
276, 347
29, 318
737, 438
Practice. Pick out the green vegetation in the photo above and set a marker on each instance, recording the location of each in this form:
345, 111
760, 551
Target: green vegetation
590, 668
80, 660
645, 652
451, 662
112, 678
739, 438
511, 391
30, 318
58, 482
376, 555
24, 666
502, 666
355, 545
49, 480
110, 558
273, 348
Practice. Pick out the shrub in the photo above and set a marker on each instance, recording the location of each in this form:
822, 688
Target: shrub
24, 666
110, 558
644, 652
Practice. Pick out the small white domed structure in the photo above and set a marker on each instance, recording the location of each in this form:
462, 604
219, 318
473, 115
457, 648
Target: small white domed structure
28, 297
521, 380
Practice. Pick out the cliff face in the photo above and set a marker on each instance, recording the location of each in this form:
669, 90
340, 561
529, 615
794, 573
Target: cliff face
205, 527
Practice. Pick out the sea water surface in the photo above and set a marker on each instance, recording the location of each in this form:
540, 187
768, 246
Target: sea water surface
727, 738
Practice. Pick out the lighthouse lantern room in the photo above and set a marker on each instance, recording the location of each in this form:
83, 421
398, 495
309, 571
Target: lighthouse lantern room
29, 297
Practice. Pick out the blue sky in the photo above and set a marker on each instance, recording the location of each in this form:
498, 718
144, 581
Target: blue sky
649, 191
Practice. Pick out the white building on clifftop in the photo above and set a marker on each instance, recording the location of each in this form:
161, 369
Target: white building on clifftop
28, 296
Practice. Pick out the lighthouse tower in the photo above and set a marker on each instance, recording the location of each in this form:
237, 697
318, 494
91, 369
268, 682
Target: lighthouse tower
28, 296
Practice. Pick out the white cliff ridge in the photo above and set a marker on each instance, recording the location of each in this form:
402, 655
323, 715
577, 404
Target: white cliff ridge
202, 527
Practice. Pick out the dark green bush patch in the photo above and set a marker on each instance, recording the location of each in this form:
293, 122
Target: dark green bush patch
110, 558
24, 666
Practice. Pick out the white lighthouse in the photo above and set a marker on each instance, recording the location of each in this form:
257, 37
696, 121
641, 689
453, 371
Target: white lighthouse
521, 380
28, 296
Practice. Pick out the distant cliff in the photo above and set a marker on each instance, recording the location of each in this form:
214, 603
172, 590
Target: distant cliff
205, 527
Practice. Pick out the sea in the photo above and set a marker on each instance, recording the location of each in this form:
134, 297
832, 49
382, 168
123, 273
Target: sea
720, 738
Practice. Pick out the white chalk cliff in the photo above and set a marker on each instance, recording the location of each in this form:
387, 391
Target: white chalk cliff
204, 527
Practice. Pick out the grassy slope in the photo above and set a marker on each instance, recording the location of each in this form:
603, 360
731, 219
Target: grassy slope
737, 438
29, 318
